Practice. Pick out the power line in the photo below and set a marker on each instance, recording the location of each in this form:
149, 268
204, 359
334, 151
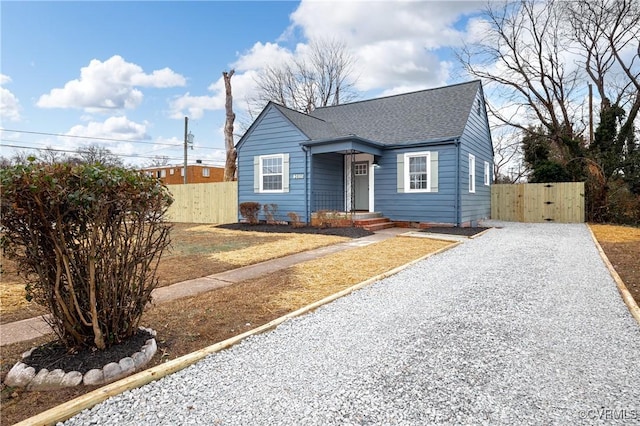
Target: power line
82, 152
104, 139
89, 137
79, 151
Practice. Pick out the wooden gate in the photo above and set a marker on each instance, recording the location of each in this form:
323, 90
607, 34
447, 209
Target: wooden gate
538, 202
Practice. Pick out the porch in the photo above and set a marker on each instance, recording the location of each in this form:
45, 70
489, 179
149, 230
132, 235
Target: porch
342, 175
371, 221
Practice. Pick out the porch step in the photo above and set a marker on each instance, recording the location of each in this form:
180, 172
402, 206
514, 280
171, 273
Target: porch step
366, 215
374, 224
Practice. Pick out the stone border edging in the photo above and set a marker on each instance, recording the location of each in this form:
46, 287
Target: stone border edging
68, 409
23, 375
622, 288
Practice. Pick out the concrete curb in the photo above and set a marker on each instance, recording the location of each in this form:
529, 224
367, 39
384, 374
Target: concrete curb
622, 288
69, 409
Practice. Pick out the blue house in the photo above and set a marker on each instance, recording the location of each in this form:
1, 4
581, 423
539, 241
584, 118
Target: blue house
418, 158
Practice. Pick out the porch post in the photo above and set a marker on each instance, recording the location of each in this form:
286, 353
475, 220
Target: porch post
352, 196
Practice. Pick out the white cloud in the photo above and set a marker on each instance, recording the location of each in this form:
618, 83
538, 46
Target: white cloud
9, 104
117, 127
393, 65
195, 106
108, 85
261, 55
394, 43
361, 23
113, 128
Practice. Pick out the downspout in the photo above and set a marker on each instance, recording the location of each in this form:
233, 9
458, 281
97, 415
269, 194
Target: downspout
307, 182
458, 201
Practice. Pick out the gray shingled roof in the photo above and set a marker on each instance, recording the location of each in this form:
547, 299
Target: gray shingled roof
412, 117
314, 128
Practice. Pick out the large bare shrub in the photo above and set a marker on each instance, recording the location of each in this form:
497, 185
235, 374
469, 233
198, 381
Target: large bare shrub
87, 239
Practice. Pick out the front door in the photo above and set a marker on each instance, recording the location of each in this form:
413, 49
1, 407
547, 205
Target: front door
361, 185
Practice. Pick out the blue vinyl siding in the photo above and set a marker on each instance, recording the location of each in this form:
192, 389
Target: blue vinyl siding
475, 140
317, 182
273, 134
327, 182
417, 207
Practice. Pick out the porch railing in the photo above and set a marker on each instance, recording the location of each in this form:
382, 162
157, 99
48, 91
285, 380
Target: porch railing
328, 200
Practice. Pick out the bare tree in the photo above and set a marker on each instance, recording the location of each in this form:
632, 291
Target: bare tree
324, 77
93, 154
608, 34
159, 161
50, 155
232, 155
507, 158
521, 55
22, 157
604, 31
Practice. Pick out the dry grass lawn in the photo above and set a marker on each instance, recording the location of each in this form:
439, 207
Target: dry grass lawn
622, 246
322, 277
189, 324
197, 251
192, 323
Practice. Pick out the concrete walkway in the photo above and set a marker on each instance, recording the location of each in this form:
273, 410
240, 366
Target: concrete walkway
35, 327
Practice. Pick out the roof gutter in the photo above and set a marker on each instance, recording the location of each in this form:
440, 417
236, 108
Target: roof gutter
342, 139
458, 192
307, 183
430, 142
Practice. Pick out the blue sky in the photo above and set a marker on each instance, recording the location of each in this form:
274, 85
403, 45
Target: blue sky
131, 71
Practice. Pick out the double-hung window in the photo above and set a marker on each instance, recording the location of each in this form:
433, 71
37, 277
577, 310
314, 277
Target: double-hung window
417, 171
487, 173
417, 167
472, 173
271, 173
271, 167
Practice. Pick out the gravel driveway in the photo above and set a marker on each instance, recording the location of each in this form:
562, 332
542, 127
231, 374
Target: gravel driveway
523, 325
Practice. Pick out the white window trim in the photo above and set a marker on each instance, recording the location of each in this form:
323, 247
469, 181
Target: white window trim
487, 173
472, 173
264, 157
407, 180
206, 172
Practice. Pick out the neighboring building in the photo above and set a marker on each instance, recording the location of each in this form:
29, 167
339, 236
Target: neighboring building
196, 173
420, 158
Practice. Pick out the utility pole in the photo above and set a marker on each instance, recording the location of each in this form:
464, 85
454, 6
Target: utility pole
188, 139
590, 114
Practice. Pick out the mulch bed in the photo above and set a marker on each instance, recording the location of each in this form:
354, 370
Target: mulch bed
55, 355
464, 231
349, 232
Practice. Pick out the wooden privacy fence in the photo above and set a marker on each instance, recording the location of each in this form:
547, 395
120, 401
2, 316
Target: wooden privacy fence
204, 203
538, 202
